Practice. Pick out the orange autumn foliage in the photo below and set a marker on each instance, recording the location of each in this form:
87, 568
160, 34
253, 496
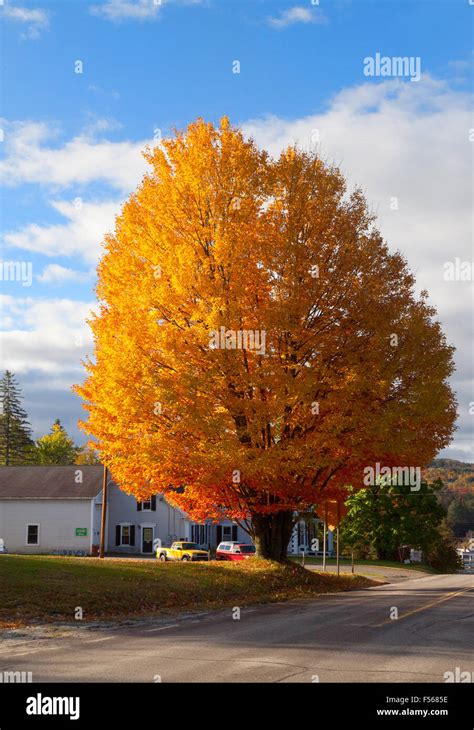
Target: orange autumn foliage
351, 368
332, 511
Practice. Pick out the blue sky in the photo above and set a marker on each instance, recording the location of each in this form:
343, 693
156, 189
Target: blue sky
72, 141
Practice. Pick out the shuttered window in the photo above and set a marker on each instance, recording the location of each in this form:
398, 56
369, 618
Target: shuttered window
125, 535
148, 505
200, 534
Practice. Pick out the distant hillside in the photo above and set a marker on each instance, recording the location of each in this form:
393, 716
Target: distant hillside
457, 494
457, 476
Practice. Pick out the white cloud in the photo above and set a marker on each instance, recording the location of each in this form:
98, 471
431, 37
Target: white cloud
81, 236
297, 14
35, 19
98, 125
56, 274
46, 335
30, 159
127, 10
405, 144
44, 343
118, 10
104, 92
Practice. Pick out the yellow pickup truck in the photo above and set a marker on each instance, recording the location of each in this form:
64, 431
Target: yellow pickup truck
182, 551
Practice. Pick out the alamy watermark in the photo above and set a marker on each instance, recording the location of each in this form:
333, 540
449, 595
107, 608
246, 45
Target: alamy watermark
16, 677
21, 271
458, 676
458, 270
46, 705
399, 475
395, 66
223, 339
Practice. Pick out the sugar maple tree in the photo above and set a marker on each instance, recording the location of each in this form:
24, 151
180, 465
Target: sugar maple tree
354, 368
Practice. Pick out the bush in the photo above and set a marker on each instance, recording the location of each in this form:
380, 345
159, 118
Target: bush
441, 554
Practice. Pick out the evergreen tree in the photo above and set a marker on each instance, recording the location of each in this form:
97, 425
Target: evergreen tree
16, 444
56, 447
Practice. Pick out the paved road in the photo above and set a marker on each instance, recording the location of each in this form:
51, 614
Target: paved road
341, 637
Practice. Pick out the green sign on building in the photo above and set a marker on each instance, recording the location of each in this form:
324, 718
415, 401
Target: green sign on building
81, 531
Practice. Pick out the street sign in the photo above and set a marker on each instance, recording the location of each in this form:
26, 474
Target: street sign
81, 531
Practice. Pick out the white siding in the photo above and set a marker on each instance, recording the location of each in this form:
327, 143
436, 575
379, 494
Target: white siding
216, 534
168, 523
58, 520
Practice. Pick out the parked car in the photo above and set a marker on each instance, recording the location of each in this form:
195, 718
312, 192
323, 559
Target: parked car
234, 551
182, 551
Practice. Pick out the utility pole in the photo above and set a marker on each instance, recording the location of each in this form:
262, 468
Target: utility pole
104, 513
325, 534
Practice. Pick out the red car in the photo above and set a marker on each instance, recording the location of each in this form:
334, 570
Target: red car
234, 551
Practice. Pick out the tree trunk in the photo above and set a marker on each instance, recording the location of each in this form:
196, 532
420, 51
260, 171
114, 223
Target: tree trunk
272, 534
380, 549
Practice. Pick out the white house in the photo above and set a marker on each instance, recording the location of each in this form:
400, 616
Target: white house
45, 509
133, 526
57, 509
303, 535
51, 509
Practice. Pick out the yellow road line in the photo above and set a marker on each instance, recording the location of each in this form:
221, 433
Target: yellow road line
447, 597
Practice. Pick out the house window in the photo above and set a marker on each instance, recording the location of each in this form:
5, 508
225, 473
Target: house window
200, 534
229, 532
32, 534
125, 535
148, 505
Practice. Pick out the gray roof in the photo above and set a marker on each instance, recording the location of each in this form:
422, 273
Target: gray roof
50, 482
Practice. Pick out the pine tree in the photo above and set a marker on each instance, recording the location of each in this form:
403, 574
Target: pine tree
16, 445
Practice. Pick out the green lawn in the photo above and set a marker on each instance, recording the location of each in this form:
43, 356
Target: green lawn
49, 588
311, 560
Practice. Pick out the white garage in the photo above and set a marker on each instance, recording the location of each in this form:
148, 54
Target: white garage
50, 509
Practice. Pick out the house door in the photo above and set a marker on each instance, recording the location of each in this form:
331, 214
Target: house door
147, 539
